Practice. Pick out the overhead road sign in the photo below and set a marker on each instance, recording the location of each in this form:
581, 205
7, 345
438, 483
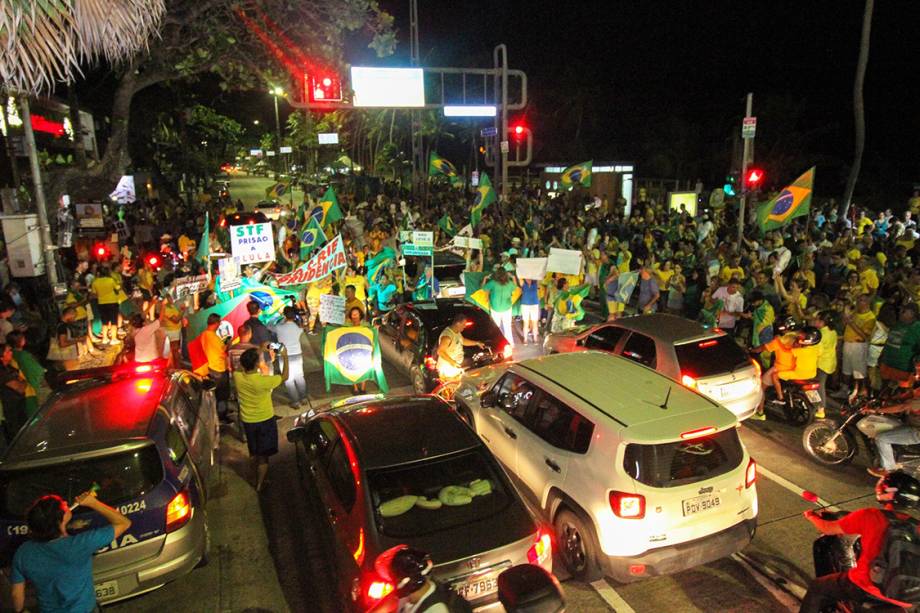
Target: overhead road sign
470, 110
388, 87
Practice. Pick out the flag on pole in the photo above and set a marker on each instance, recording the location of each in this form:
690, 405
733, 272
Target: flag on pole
351, 354
794, 201
204, 245
485, 196
277, 190
327, 210
311, 237
577, 174
439, 166
447, 224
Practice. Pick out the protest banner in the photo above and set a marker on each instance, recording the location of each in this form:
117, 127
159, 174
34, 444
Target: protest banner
332, 309
186, 286
566, 261
252, 243
467, 242
229, 269
531, 268
328, 259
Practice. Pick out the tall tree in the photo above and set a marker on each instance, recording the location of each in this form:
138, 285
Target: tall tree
859, 111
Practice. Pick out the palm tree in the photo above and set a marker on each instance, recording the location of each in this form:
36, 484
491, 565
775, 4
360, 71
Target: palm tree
859, 111
45, 42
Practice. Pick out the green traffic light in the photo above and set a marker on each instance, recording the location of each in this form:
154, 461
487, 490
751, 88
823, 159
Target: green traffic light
729, 189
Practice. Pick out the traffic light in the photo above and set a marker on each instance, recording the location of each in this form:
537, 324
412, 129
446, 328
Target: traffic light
753, 179
154, 261
324, 87
100, 252
731, 184
518, 132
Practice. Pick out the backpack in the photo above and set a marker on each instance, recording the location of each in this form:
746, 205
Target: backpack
896, 569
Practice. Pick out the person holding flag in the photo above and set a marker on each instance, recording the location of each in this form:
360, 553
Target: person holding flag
485, 195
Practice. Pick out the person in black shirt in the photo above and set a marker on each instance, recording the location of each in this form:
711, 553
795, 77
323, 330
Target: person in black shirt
260, 332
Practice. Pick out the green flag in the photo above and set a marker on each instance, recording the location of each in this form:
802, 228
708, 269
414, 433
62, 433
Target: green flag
447, 224
311, 237
204, 245
277, 190
329, 205
485, 196
794, 201
439, 166
301, 214
577, 174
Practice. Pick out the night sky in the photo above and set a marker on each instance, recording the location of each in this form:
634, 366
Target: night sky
640, 67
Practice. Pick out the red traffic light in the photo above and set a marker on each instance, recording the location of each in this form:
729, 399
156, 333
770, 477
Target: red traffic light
153, 260
753, 178
518, 131
323, 87
100, 251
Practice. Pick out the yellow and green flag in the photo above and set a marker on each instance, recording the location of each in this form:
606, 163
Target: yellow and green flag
577, 174
204, 245
485, 195
794, 201
311, 237
277, 190
327, 210
447, 224
439, 166
351, 354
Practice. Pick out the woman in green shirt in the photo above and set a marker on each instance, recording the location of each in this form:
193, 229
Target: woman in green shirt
501, 294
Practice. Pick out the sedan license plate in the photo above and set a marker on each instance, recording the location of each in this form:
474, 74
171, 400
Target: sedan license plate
477, 587
813, 396
692, 506
106, 590
733, 390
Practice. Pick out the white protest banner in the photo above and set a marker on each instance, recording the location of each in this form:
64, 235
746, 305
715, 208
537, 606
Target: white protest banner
186, 286
229, 269
566, 261
331, 257
467, 242
422, 239
252, 243
531, 268
332, 309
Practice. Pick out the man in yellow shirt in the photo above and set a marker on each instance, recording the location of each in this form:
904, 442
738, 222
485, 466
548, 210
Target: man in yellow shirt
216, 353
868, 278
106, 290
732, 270
858, 329
827, 356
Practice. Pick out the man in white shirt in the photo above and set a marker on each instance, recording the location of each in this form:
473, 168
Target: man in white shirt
732, 304
289, 334
150, 342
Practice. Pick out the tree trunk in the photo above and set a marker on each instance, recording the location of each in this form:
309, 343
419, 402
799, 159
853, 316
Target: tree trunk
79, 151
859, 112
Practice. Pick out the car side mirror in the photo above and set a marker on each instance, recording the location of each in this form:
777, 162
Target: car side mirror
487, 399
295, 434
208, 385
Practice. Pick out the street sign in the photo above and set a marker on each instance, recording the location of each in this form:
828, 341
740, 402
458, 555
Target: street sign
423, 239
504, 147
490, 131
270, 154
255, 152
748, 127
286, 150
410, 249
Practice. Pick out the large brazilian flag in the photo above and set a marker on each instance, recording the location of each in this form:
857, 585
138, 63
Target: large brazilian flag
568, 303
351, 354
794, 201
577, 174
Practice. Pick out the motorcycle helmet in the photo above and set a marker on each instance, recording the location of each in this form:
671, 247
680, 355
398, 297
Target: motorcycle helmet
809, 336
406, 568
898, 488
788, 324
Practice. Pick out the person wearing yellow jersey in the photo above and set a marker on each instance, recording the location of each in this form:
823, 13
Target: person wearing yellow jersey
623, 257
145, 282
80, 329
359, 282
106, 289
663, 273
868, 278
732, 270
858, 329
863, 224
171, 318
314, 291
254, 386
827, 356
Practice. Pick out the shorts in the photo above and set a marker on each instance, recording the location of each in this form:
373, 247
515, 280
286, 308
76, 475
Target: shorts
262, 437
530, 312
108, 313
854, 359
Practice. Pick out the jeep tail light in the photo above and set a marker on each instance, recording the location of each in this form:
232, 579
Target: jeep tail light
431, 363
627, 506
688, 381
377, 590
750, 475
507, 351
541, 551
178, 511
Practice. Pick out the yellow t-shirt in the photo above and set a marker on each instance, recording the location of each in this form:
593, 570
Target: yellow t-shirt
213, 348
360, 284
106, 290
80, 311
254, 391
869, 281
806, 364
169, 311
664, 277
827, 350
145, 279
864, 322
728, 272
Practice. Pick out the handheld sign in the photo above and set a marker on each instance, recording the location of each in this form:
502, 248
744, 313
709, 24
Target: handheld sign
252, 243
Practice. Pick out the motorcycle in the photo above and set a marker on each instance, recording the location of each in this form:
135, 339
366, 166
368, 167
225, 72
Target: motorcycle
832, 443
801, 401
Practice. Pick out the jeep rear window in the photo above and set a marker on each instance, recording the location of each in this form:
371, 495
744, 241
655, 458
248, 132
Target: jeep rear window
121, 477
711, 356
428, 478
684, 462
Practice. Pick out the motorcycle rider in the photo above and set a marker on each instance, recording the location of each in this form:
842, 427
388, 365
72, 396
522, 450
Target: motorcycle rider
894, 490
783, 360
408, 570
906, 434
450, 349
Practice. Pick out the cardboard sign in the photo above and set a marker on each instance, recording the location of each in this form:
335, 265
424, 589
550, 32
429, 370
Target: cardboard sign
423, 239
531, 268
229, 269
187, 286
566, 261
328, 259
252, 243
332, 309
467, 242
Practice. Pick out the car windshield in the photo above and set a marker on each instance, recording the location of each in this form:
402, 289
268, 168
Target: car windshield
431, 496
121, 477
684, 462
709, 357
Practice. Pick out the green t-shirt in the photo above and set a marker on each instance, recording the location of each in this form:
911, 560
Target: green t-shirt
902, 345
499, 295
254, 391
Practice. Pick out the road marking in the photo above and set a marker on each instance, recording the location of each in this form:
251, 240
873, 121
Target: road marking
792, 487
611, 597
790, 601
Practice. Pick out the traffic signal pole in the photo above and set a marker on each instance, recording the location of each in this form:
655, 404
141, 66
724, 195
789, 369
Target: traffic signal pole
501, 81
746, 158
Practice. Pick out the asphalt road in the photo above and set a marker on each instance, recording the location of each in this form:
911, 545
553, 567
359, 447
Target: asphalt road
251, 189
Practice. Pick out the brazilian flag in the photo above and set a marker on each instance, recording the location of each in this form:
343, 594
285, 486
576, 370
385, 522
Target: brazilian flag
577, 174
277, 190
794, 201
439, 166
351, 354
327, 210
568, 303
376, 266
447, 224
311, 237
485, 195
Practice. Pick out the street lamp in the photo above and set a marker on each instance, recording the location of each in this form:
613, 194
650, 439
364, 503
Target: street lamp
276, 92
255, 122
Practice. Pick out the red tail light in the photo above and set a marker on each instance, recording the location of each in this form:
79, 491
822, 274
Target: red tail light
377, 589
178, 511
627, 506
142, 368
542, 550
750, 475
637, 570
507, 351
688, 381
698, 432
706, 344
810, 386
431, 363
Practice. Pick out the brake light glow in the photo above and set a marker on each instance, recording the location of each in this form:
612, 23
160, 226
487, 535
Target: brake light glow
178, 511
811, 386
379, 589
757, 369
706, 344
468, 324
358, 553
627, 506
750, 475
142, 368
143, 385
688, 381
542, 550
431, 363
698, 432
507, 351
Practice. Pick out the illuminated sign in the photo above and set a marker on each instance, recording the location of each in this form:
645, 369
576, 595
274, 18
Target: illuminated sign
41, 124
328, 138
388, 87
469, 110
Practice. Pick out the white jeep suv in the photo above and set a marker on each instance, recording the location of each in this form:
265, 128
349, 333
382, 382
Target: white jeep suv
639, 475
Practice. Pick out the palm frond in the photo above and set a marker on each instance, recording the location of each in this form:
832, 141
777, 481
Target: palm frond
45, 41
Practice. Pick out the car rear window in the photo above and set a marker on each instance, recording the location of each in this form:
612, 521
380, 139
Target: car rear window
121, 477
684, 462
428, 479
710, 357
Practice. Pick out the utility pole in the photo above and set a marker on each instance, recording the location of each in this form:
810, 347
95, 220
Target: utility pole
500, 59
415, 118
277, 91
746, 158
40, 205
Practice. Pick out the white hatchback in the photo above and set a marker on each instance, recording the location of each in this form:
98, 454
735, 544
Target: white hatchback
639, 475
